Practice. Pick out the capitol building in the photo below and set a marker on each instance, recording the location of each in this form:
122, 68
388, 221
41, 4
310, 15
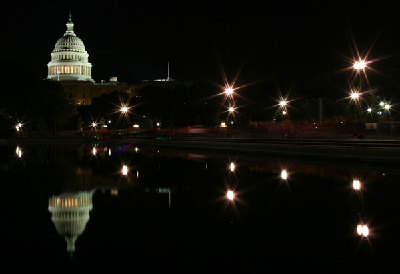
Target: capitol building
70, 66
69, 59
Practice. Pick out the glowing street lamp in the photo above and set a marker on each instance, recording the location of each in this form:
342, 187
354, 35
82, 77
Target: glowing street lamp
231, 109
284, 112
359, 65
387, 107
223, 124
228, 91
124, 109
362, 230
355, 95
369, 110
93, 125
382, 103
283, 103
356, 184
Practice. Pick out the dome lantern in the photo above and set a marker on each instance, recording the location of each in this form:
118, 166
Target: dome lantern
70, 26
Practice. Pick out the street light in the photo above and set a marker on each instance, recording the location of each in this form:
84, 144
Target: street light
387, 107
355, 95
369, 110
359, 65
228, 91
230, 195
124, 109
231, 109
283, 103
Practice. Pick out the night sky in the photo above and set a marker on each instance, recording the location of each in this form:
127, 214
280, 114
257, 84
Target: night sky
301, 45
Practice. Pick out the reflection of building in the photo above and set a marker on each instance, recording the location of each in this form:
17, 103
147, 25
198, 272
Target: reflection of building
70, 214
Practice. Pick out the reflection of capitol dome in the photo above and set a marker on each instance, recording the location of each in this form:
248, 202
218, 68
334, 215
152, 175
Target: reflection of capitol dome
69, 59
70, 214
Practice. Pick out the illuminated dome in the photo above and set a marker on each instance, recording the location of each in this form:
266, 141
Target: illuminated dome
70, 214
69, 59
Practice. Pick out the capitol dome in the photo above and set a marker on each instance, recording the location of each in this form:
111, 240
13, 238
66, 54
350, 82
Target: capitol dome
69, 59
70, 214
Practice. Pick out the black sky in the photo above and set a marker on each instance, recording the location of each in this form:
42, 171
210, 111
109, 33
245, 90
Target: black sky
297, 42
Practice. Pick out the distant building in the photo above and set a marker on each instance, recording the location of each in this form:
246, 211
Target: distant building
71, 67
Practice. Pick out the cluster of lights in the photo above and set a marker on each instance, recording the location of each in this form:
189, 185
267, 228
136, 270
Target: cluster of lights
229, 92
283, 104
385, 106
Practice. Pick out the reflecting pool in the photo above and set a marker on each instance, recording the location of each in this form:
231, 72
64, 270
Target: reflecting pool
86, 205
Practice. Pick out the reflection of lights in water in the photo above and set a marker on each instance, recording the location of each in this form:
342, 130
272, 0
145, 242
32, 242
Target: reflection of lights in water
94, 151
232, 167
284, 174
137, 174
363, 230
18, 151
125, 170
230, 195
114, 192
356, 184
